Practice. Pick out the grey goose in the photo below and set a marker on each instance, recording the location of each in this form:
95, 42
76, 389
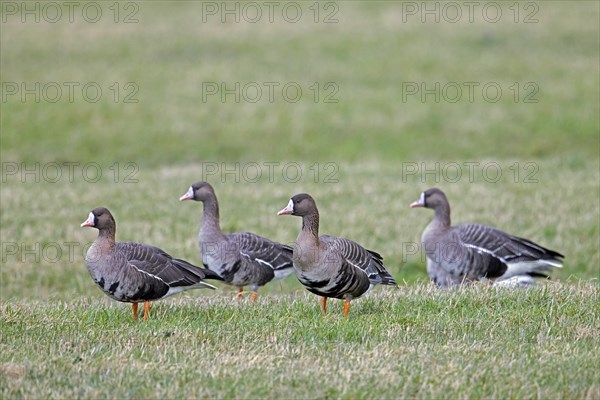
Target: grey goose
135, 272
470, 252
330, 266
240, 258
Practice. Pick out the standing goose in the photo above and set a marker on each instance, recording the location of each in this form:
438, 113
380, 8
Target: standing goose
330, 266
135, 272
470, 252
240, 258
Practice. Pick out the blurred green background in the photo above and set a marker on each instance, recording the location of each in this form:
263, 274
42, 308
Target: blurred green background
365, 59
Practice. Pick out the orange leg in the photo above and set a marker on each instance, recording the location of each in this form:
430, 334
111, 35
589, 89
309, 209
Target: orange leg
134, 309
324, 305
253, 296
146, 310
240, 294
346, 307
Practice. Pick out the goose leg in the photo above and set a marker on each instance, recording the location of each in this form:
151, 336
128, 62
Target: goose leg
324, 304
253, 295
134, 309
240, 293
146, 310
346, 307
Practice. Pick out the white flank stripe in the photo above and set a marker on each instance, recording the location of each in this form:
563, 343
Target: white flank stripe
264, 262
482, 250
153, 276
358, 268
174, 290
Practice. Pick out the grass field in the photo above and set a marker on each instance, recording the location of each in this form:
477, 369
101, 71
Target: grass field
527, 162
413, 342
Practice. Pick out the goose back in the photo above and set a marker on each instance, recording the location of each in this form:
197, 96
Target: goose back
240, 258
330, 266
243, 258
342, 268
469, 252
136, 272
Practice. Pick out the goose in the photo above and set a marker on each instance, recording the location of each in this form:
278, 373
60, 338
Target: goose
133, 272
470, 252
240, 258
330, 266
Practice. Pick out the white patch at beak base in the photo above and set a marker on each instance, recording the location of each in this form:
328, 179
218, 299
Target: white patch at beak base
420, 202
91, 221
188, 195
289, 209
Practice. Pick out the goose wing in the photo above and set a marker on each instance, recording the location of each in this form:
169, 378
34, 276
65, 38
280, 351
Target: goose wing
364, 261
156, 264
493, 253
263, 252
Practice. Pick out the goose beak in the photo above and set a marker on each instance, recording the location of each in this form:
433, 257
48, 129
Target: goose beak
189, 195
289, 209
90, 221
418, 203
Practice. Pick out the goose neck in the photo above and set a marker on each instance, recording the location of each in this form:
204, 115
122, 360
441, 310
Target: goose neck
442, 216
210, 224
310, 226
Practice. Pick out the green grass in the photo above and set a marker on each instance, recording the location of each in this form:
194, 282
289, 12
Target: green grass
369, 54
61, 337
414, 342
44, 246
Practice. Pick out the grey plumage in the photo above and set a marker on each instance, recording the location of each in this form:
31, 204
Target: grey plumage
470, 252
346, 269
240, 258
330, 266
135, 272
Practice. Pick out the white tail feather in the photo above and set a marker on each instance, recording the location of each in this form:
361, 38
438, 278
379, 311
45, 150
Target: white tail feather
527, 267
516, 281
